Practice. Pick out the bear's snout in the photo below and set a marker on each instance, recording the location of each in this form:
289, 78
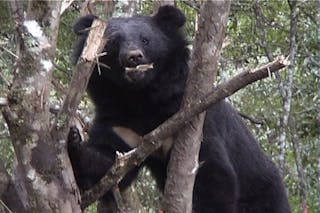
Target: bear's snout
133, 58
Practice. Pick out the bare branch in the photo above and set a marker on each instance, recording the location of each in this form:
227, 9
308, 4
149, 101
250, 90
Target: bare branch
81, 76
251, 119
286, 89
261, 25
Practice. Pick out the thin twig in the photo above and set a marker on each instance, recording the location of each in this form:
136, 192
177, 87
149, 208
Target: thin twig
251, 119
10, 52
5, 206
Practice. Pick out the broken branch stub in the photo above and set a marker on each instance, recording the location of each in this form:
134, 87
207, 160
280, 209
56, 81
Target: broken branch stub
94, 40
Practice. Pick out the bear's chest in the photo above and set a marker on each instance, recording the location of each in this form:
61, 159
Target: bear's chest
138, 112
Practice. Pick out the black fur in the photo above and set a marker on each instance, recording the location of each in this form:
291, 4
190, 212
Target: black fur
235, 177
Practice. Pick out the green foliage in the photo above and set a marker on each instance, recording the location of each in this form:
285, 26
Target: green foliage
148, 192
65, 43
7, 57
7, 46
263, 100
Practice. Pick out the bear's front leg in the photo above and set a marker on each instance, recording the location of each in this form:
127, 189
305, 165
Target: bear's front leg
88, 164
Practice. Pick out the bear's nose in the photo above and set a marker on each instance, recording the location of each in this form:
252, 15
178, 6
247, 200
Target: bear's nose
135, 57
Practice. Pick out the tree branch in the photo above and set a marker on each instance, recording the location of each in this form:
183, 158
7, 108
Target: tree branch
152, 141
203, 70
251, 119
81, 75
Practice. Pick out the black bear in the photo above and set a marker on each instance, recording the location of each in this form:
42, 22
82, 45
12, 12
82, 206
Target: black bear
140, 86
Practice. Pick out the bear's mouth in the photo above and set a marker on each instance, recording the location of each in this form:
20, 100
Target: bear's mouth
139, 68
137, 73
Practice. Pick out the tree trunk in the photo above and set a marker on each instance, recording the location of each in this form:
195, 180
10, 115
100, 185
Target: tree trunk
294, 12
183, 163
43, 169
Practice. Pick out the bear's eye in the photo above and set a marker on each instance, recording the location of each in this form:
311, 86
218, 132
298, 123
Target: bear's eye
145, 41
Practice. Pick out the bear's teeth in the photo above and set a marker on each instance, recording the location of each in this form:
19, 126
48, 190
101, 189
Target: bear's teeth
140, 67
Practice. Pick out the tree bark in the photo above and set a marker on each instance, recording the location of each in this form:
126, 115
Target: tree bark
287, 98
44, 172
300, 169
183, 163
9, 193
294, 12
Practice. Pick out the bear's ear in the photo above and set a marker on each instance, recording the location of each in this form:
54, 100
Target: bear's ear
169, 18
83, 24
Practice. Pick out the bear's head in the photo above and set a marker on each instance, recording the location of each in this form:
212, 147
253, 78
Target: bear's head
140, 47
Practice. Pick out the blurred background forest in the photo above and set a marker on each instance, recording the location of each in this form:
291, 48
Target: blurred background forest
282, 111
